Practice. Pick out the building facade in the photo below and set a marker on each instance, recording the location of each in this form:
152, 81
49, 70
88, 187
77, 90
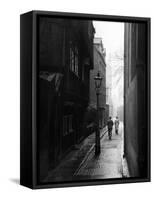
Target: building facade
135, 105
99, 66
65, 60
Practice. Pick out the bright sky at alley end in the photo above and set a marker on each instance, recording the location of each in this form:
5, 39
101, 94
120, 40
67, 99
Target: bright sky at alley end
112, 34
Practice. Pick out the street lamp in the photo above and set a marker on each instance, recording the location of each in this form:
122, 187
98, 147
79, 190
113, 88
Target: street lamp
98, 82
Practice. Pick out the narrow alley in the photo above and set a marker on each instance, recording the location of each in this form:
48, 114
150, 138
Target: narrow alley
81, 163
109, 164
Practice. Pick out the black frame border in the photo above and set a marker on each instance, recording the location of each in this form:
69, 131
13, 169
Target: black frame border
113, 18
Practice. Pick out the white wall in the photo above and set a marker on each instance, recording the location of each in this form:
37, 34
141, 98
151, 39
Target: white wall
9, 98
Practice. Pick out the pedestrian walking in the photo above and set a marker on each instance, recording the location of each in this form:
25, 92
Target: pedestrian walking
116, 125
110, 126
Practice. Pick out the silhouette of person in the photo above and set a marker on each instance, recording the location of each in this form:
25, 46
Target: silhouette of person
110, 126
116, 125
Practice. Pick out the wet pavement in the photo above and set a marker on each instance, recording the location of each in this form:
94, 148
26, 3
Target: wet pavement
109, 163
82, 164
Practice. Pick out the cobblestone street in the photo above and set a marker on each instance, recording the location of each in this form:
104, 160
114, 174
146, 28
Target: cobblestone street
109, 163
82, 164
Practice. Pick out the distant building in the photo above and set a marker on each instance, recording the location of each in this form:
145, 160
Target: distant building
135, 105
106, 113
109, 85
65, 60
99, 65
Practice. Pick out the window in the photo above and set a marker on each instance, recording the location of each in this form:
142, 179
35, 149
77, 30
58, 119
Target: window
76, 61
67, 124
74, 57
